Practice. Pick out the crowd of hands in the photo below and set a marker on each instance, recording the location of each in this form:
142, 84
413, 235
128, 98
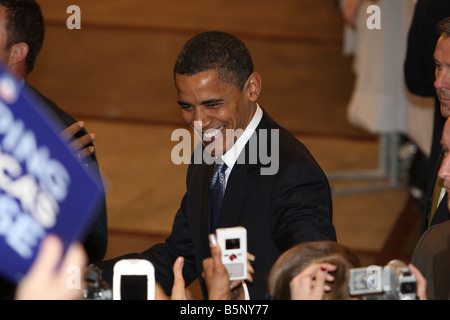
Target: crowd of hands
47, 277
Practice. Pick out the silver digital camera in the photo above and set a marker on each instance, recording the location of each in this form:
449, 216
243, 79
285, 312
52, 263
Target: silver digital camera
233, 244
392, 282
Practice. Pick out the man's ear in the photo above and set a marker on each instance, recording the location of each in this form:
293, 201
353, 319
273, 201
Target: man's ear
18, 53
253, 86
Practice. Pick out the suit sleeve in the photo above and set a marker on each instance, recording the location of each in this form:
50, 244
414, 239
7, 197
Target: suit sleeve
301, 207
162, 256
95, 239
178, 244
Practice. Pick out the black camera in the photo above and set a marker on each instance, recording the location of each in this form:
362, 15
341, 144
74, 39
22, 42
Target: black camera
96, 288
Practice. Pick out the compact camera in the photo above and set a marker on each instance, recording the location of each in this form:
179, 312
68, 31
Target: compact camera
392, 282
96, 287
233, 244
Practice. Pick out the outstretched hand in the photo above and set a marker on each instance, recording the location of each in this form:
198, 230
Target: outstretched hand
81, 146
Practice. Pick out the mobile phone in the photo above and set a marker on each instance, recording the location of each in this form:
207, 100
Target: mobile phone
233, 244
133, 279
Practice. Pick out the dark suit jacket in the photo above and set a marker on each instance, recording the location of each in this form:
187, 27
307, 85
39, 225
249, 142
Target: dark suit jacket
442, 213
432, 257
96, 237
278, 211
419, 77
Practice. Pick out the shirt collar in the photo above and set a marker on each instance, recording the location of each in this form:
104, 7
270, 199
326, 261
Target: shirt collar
231, 156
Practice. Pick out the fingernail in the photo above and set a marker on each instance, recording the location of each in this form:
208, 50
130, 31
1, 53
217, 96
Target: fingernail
81, 124
92, 135
323, 268
212, 238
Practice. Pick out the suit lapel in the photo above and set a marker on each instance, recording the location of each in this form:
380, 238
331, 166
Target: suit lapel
234, 200
430, 192
205, 211
442, 213
238, 187
239, 184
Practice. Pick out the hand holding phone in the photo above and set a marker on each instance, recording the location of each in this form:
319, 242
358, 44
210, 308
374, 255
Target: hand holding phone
233, 243
133, 279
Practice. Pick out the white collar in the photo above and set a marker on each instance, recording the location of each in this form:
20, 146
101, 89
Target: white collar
231, 156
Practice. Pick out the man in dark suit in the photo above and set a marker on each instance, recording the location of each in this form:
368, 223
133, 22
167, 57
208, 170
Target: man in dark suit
281, 202
420, 79
426, 71
432, 253
21, 38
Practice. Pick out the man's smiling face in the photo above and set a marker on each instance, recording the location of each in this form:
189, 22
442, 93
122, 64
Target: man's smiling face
213, 106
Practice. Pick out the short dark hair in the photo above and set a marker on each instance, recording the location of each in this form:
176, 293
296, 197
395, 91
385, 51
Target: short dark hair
443, 28
25, 23
219, 51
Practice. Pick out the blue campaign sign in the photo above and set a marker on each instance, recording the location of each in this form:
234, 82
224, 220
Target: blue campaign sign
43, 187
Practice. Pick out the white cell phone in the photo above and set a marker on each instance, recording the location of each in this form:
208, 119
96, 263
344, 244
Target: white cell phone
233, 244
133, 279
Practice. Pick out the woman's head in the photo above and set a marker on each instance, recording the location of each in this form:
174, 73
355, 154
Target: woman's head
296, 259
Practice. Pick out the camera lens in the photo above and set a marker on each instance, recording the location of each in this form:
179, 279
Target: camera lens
408, 287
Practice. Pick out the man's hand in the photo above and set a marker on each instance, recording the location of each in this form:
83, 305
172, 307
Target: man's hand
79, 145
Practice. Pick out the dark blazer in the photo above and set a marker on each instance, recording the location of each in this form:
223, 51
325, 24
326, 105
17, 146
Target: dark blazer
432, 257
442, 213
278, 211
419, 76
96, 238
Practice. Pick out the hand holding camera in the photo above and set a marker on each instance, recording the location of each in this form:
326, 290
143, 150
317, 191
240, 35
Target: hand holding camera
229, 265
233, 244
395, 281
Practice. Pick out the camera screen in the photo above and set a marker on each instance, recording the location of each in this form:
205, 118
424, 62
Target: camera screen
133, 287
408, 287
232, 244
